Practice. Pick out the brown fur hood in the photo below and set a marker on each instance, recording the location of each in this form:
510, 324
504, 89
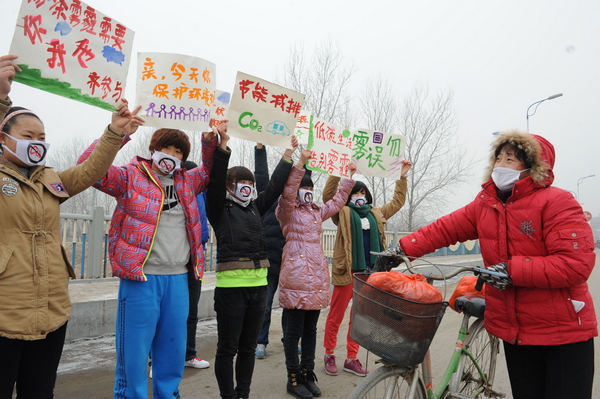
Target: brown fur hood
540, 154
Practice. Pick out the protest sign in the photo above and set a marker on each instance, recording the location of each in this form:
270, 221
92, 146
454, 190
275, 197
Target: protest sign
331, 146
262, 111
68, 48
175, 90
220, 107
378, 154
303, 128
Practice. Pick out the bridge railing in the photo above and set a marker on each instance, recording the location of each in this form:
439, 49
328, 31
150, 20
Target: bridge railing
85, 237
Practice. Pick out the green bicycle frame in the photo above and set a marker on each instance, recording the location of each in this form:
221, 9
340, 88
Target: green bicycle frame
459, 350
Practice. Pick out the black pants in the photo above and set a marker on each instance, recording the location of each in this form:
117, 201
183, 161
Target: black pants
551, 372
31, 365
300, 324
273, 283
240, 313
195, 287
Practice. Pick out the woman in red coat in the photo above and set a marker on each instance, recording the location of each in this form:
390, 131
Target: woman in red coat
537, 235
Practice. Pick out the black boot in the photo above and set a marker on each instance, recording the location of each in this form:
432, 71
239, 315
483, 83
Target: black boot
308, 380
296, 388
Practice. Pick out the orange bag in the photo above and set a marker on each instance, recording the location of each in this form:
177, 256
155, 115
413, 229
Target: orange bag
413, 287
466, 286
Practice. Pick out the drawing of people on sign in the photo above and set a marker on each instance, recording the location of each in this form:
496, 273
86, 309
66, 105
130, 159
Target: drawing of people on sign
176, 90
262, 111
73, 50
377, 153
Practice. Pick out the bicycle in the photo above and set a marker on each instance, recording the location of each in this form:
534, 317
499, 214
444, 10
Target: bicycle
400, 331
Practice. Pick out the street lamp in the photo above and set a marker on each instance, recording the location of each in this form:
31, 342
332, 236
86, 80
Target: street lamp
578, 183
537, 104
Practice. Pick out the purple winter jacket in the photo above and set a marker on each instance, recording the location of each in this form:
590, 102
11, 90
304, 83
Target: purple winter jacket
304, 276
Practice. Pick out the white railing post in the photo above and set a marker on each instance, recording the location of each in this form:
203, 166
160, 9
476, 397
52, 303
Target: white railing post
95, 238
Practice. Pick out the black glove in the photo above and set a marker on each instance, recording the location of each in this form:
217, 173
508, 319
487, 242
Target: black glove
496, 281
388, 259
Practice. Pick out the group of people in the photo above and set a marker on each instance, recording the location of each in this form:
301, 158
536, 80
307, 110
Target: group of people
268, 238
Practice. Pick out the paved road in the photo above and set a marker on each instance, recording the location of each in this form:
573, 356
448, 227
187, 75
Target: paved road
87, 367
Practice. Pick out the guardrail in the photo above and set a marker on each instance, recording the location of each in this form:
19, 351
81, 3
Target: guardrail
86, 238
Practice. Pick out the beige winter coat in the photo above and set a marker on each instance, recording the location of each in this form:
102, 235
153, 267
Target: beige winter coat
34, 269
341, 272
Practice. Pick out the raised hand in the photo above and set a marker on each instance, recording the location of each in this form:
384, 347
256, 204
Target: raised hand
406, 165
121, 119
222, 130
305, 155
287, 154
8, 69
135, 121
352, 168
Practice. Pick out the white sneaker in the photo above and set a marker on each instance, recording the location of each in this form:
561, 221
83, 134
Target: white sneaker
150, 373
197, 363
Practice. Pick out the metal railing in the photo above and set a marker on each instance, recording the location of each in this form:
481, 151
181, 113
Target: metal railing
85, 237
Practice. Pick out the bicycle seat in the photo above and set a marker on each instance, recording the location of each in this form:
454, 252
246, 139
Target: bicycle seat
471, 305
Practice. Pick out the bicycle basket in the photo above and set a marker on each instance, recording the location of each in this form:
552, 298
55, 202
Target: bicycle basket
392, 327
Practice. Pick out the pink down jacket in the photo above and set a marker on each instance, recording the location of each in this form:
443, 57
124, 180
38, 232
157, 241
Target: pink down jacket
304, 276
140, 197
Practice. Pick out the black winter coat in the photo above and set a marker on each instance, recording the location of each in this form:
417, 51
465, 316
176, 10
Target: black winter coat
239, 229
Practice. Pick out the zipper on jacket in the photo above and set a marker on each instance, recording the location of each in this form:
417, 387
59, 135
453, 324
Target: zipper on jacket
162, 200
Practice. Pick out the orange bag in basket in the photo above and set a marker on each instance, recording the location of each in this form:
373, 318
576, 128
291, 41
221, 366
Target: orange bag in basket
413, 287
466, 286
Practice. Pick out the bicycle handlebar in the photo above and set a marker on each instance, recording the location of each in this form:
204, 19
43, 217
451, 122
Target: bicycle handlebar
398, 259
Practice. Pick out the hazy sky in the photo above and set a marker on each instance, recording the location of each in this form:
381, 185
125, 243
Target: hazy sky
496, 56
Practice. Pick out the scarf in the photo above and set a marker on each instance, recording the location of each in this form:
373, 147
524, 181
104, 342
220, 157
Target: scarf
238, 201
356, 230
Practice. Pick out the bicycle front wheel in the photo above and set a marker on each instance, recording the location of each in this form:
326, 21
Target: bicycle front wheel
484, 349
389, 383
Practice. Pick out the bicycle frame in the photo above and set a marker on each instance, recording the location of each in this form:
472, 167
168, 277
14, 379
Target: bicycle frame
451, 369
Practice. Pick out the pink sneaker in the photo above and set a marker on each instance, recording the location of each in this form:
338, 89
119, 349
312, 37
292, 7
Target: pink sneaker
354, 366
330, 367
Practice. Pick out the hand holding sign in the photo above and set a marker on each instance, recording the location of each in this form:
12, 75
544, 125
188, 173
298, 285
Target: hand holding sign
222, 130
352, 169
305, 155
287, 154
406, 165
125, 121
7, 74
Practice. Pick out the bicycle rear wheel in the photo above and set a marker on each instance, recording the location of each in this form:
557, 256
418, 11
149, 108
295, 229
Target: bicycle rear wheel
388, 383
484, 348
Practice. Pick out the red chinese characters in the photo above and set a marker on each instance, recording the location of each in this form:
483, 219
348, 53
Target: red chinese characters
32, 28
105, 28
89, 20
83, 50
57, 51
118, 37
58, 9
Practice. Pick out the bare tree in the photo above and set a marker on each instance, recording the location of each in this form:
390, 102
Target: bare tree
427, 122
379, 108
324, 77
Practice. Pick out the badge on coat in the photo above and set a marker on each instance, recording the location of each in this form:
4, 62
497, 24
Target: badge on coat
10, 189
58, 188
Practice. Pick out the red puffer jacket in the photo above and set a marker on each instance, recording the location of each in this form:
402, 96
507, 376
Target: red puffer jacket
542, 233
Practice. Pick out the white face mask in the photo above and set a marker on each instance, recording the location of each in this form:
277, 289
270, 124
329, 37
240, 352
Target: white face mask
30, 152
166, 163
244, 191
359, 201
305, 196
505, 178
